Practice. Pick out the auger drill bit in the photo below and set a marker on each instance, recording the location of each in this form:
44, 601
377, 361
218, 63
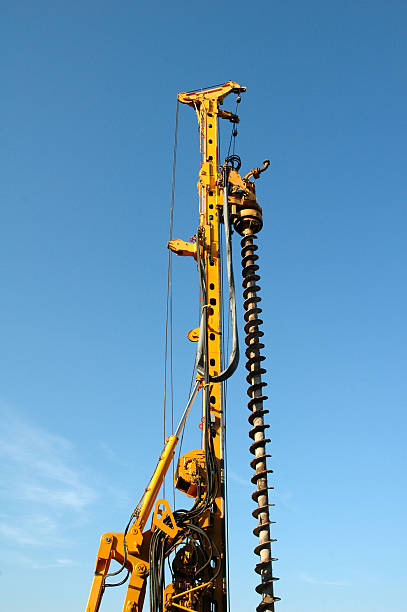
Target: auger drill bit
247, 221
256, 419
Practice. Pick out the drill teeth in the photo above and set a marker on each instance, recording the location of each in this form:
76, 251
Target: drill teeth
257, 432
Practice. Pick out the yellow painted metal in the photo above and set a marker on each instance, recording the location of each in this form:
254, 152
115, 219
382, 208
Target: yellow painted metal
111, 547
137, 542
193, 334
101, 569
191, 471
216, 94
206, 104
181, 247
197, 588
156, 481
162, 511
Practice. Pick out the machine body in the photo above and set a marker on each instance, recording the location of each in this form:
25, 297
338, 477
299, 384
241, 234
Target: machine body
194, 540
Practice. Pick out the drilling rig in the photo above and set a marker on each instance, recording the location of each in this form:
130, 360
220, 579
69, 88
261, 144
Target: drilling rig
192, 542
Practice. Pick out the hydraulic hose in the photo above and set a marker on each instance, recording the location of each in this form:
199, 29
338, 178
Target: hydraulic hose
234, 355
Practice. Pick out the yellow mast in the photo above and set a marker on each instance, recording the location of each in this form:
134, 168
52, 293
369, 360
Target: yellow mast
210, 189
195, 539
224, 190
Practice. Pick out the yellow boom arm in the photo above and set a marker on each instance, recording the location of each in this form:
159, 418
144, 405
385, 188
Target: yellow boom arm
131, 549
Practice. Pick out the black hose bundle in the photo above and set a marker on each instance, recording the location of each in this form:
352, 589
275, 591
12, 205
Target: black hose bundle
161, 544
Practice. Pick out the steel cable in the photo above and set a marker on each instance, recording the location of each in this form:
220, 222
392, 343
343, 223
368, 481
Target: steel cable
168, 308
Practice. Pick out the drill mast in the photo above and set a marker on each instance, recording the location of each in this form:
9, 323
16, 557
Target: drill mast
194, 540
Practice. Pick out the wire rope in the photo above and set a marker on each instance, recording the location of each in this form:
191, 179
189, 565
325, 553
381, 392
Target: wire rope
233, 133
168, 344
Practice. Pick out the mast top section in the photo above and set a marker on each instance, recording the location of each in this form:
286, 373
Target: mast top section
218, 94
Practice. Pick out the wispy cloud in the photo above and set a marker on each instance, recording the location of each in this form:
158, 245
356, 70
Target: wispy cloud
111, 454
242, 481
43, 483
286, 499
322, 582
31, 530
35, 564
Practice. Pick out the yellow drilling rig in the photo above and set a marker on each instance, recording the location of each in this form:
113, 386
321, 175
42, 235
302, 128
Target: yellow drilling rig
192, 542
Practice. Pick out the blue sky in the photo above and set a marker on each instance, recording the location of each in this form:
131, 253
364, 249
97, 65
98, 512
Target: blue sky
87, 107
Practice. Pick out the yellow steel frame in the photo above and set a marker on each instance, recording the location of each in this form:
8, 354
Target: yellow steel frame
137, 541
206, 103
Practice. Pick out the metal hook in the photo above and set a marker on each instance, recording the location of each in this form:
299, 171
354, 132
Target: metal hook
258, 171
255, 173
266, 164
